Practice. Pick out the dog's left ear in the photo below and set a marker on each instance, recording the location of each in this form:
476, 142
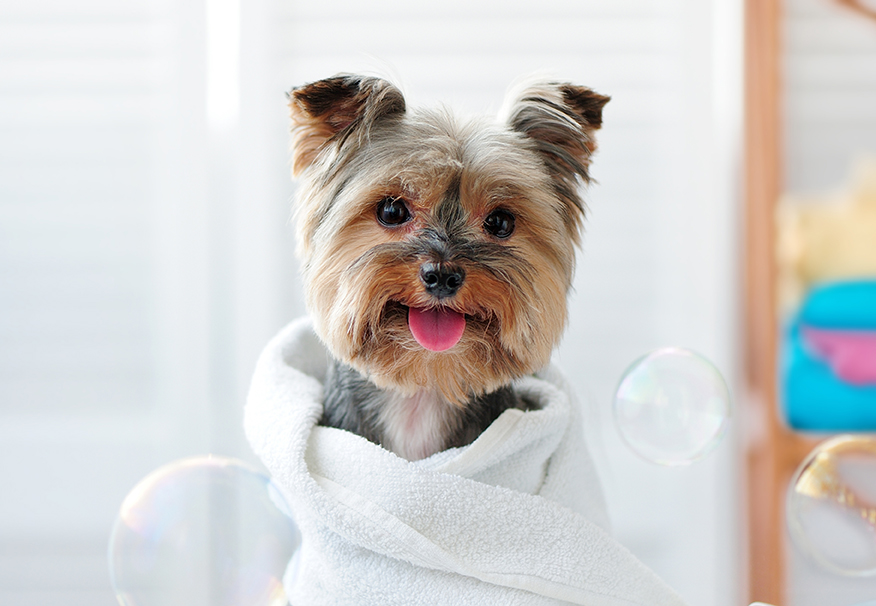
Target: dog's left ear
561, 119
331, 109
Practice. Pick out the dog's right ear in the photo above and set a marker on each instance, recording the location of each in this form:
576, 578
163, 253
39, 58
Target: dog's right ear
331, 109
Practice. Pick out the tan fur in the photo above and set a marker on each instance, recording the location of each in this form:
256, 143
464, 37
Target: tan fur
361, 276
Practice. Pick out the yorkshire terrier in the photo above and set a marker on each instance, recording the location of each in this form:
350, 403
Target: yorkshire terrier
436, 252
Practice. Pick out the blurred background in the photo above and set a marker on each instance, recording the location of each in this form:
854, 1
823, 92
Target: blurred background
146, 254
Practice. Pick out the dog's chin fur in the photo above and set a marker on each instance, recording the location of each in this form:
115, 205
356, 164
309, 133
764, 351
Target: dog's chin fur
391, 358
355, 145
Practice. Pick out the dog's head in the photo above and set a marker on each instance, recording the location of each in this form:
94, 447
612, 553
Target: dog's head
437, 253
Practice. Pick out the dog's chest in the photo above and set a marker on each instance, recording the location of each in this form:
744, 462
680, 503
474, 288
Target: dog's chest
416, 426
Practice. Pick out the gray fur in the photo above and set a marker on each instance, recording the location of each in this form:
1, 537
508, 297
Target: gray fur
354, 404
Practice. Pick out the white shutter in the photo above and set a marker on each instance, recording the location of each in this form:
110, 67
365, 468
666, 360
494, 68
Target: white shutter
103, 277
144, 260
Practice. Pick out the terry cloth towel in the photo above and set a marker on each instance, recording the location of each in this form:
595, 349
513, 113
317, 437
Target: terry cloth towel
515, 518
828, 378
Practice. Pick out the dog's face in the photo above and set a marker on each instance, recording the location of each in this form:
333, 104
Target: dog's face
436, 253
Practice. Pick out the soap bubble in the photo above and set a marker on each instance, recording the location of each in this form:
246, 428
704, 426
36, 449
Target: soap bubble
204, 531
672, 406
831, 505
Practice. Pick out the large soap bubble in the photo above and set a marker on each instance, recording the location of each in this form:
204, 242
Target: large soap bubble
831, 505
204, 531
672, 406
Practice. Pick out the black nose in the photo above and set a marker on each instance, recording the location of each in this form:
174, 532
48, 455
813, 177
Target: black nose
441, 279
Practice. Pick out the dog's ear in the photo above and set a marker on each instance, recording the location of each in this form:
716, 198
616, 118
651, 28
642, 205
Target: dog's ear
561, 119
333, 108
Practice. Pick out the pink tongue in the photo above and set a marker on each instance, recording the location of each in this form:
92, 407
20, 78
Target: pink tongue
436, 329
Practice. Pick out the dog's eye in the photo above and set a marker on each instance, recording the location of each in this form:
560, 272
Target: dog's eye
499, 223
392, 211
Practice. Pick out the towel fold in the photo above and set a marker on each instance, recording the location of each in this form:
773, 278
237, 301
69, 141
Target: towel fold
841, 305
516, 517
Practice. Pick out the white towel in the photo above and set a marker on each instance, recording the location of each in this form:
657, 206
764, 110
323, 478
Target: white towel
516, 517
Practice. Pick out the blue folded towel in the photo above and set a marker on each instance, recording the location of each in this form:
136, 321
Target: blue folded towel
841, 305
814, 397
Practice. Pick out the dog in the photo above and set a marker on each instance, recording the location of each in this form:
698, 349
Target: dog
436, 252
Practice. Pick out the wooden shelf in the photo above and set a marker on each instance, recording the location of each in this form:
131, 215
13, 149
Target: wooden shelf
766, 459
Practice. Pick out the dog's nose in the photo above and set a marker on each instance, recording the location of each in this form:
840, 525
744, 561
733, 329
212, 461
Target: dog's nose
441, 279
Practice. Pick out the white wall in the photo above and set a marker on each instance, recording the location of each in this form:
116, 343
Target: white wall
830, 93
192, 216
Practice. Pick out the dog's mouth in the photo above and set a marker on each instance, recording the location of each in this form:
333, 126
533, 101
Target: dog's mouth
436, 328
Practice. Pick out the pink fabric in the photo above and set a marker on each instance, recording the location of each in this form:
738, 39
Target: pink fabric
851, 354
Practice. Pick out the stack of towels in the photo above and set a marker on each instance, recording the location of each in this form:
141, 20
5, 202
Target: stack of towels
829, 365
827, 287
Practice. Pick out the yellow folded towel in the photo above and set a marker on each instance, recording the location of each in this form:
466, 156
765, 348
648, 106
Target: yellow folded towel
827, 238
